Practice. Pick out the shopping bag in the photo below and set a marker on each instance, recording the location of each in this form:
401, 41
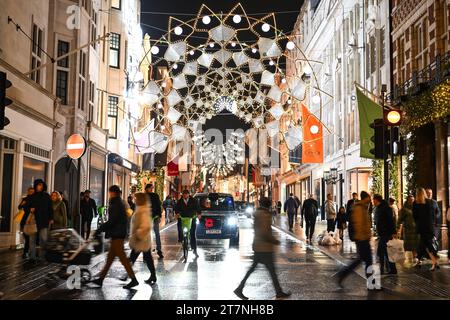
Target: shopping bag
19, 216
396, 251
30, 227
337, 239
328, 240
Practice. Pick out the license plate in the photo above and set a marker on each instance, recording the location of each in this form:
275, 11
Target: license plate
214, 231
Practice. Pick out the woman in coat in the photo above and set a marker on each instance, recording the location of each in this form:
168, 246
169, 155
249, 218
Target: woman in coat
424, 217
141, 239
341, 222
406, 227
59, 212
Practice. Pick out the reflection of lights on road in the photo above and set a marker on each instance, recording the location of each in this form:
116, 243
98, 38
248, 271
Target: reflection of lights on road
232, 221
249, 210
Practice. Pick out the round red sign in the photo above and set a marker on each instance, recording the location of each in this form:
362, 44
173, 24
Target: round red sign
76, 146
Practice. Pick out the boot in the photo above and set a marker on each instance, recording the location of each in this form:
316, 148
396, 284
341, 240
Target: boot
131, 284
238, 292
281, 294
160, 254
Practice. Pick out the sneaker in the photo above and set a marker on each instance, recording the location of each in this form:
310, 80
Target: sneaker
239, 293
131, 284
281, 295
160, 255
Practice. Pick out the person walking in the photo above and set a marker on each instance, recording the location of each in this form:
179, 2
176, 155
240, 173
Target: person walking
350, 204
309, 211
141, 238
394, 208
263, 247
25, 206
188, 207
88, 210
424, 216
116, 229
279, 206
299, 204
168, 208
155, 203
59, 212
436, 213
385, 226
42, 209
360, 232
406, 228
68, 212
330, 211
341, 222
291, 207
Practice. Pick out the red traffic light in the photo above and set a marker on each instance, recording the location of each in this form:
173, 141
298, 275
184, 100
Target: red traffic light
393, 117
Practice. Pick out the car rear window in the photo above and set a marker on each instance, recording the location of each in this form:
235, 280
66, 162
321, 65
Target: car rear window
215, 202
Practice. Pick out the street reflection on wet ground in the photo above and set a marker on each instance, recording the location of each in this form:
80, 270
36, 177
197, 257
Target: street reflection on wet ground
303, 270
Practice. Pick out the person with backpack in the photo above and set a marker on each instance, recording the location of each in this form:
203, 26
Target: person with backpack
360, 232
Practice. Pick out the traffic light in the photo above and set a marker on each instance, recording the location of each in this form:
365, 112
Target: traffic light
4, 102
398, 143
392, 117
380, 139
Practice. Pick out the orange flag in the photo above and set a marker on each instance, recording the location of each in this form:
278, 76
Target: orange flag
312, 147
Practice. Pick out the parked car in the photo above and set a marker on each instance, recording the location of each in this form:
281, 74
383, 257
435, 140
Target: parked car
220, 219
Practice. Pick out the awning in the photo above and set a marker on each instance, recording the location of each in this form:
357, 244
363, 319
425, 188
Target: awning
115, 158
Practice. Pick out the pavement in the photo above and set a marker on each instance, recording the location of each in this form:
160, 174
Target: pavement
302, 269
409, 281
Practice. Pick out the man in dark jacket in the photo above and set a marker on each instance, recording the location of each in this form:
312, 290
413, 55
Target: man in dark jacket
263, 247
88, 209
310, 210
350, 204
386, 230
116, 229
155, 202
188, 207
41, 207
291, 207
436, 213
25, 206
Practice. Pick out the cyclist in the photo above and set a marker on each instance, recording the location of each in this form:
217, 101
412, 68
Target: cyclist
188, 207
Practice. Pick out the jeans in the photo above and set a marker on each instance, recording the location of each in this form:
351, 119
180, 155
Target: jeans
265, 258
310, 226
364, 255
157, 235
291, 217
42, 234
331, 225
180, 230
383, 255
148, 259
86, 222
168, 214
117, 250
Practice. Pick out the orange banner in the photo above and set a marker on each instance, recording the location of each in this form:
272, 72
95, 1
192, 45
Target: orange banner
312, 147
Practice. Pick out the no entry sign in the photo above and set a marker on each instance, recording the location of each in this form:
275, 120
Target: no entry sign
75, 146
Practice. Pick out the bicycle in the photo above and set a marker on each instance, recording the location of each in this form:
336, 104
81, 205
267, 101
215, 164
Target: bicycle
186, 224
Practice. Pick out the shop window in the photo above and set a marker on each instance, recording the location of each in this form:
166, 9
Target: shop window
32, 169
113, 111
116, 4
36, 53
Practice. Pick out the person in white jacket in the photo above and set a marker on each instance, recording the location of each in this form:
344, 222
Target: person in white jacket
330, 210
140, 237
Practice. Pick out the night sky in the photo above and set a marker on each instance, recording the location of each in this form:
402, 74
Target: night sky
285, 21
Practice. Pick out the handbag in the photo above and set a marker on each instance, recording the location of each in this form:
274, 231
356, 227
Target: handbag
396, 251
30, 227
19, 216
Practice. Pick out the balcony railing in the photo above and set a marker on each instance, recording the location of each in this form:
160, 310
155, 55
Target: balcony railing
432, 75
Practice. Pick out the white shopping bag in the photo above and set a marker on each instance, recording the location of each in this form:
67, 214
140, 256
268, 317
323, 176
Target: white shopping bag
396, 252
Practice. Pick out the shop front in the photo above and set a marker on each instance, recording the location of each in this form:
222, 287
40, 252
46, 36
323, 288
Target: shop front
120, 173
97, 170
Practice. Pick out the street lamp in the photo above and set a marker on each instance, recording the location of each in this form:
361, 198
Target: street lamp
331, 176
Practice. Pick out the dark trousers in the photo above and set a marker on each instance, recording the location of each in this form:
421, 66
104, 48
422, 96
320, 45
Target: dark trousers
26, 246
157, 235
364, 255
86, 222
193, 235
148, 259
291, 216
331, 225
180, 230
265, 258
383, 256
310, 227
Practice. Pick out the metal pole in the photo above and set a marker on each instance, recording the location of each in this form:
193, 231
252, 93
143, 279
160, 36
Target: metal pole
78, 205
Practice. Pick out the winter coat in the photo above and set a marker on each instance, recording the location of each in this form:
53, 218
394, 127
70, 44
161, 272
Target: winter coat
310, 208
409, 234
385, 222
330, 210
263, 240
424, 217
116, 226
42, 205
155, 204
359, 223
140, 238
88, 209
290, 206
190, 210
59, 215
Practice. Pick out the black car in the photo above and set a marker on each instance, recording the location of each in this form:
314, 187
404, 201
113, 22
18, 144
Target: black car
220, 219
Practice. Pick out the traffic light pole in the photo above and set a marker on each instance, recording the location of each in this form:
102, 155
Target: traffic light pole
386, 152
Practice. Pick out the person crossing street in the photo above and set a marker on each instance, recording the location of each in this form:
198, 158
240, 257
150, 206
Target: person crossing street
156, 206
188, 207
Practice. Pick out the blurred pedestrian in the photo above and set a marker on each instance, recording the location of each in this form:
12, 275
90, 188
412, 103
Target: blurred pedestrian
131, 203
310, 209
359, 232
116, 229
263, 247
436, 213
341, 222
156, 207
42, 209
386, 231
66, 203
25, 206
299, 205
279, 206
88, 211
424, 216
141, 238
394, 208
168, 208
290, 207
59, 212
406, 228
330, 211
350, 204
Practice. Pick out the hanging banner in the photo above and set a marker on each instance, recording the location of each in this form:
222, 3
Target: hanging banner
173, 169
312, 147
